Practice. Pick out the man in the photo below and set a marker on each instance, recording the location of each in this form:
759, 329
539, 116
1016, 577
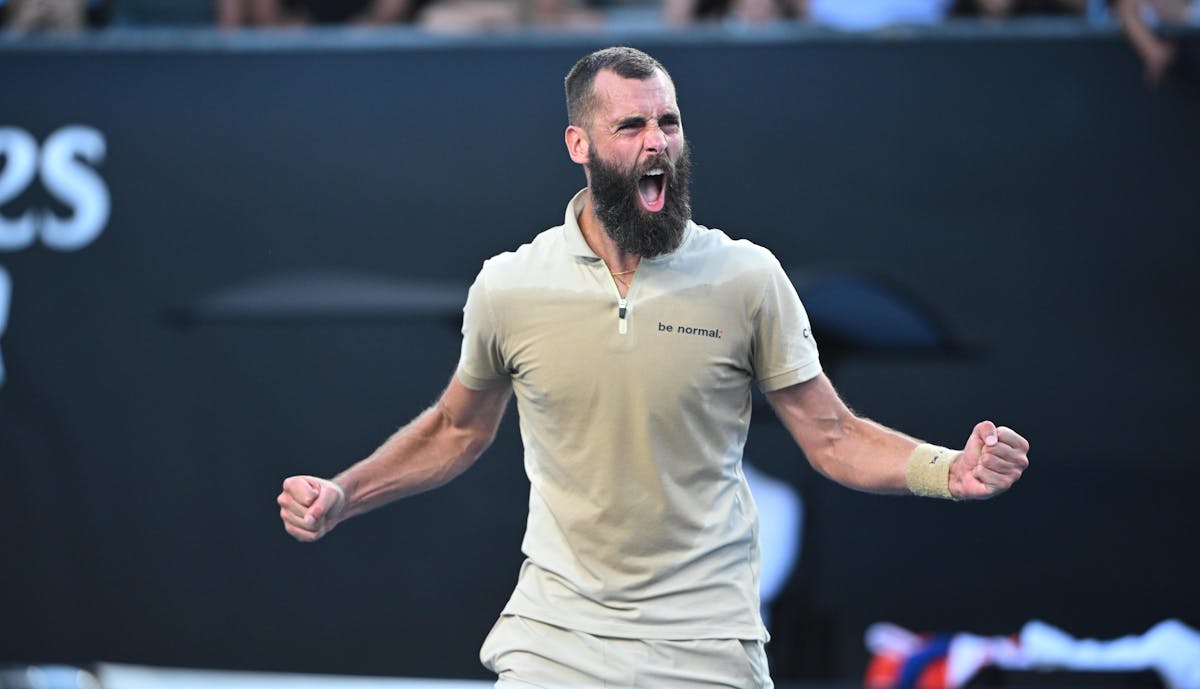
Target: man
631, 336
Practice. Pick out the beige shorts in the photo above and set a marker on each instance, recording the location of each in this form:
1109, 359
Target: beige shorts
527, 653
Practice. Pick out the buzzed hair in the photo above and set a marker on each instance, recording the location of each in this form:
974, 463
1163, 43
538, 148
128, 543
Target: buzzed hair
629, 63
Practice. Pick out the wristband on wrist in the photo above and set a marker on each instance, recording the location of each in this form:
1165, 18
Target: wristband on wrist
928, 471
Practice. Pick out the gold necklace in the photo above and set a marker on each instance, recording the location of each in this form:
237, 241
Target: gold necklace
623, 272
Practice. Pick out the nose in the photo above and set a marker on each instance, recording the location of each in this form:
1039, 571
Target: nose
655, 141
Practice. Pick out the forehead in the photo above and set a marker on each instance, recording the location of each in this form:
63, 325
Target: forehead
618, 97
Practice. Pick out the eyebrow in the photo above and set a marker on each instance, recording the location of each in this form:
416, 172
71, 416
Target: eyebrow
638, 120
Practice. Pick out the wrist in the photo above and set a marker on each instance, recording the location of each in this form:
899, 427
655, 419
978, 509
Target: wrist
927, 472
339, 509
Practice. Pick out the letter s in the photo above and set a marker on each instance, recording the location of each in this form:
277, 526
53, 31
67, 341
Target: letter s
76, 185
19, 149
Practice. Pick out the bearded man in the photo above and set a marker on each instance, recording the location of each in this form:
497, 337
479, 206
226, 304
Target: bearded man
631, 337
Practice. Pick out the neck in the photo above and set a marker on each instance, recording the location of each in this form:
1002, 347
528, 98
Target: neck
603, 245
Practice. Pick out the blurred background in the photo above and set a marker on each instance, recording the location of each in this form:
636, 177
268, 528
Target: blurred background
235, 238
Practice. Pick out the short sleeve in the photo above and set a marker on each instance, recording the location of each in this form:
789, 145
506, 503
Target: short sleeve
785, 351
480, 363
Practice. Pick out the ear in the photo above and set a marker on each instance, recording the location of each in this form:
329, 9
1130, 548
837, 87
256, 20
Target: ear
578, 146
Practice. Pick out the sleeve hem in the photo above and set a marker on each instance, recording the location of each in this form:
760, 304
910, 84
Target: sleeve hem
475, 382
800, 374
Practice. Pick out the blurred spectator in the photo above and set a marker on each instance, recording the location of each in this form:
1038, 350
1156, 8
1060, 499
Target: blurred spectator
862, 15
561, 13
54, 15
680, 12
232, 14
437, 15
997, 9
164, 13
488, 15
1138, 19
859, 15
39, 15
468, 16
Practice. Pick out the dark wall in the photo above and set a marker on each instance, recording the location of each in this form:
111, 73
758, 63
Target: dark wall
247, 312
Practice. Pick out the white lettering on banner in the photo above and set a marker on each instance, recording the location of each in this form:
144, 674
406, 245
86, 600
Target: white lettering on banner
5, 300
65, 176
19, 150
76, 185
67, 169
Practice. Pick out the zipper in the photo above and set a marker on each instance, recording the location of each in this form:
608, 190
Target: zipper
622, 313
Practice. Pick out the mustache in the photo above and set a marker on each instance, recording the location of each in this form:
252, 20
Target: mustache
659, 162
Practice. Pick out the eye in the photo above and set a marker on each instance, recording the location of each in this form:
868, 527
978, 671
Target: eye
630, 125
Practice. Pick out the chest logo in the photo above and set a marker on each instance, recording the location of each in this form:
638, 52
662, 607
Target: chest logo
689, 330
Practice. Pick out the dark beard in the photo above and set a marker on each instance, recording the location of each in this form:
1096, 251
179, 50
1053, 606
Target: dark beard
636, 231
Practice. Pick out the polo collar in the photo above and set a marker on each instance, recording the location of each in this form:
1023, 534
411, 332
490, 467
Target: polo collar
575, 241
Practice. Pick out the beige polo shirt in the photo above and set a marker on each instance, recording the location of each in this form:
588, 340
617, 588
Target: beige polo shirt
633, 415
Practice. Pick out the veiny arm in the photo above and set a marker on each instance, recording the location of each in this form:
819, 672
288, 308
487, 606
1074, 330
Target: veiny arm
431, 450
864, 455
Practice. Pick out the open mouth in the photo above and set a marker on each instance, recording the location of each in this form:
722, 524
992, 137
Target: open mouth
652, 190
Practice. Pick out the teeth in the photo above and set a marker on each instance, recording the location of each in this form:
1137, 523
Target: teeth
653, 173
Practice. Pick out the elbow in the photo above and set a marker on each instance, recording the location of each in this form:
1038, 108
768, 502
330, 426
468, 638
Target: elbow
477, 442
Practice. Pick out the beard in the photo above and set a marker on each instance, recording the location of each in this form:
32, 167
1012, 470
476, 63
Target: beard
634, 229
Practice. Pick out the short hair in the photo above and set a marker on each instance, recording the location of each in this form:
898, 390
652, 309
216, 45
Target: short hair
629, 63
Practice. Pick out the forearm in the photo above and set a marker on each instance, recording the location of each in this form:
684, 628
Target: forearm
854, 451
862, 454
425, 454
